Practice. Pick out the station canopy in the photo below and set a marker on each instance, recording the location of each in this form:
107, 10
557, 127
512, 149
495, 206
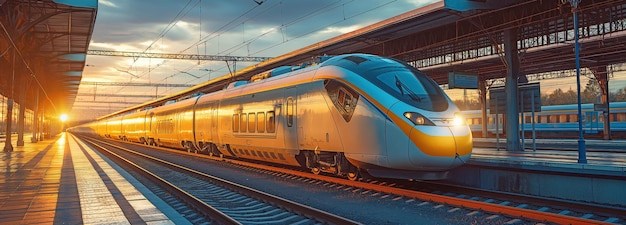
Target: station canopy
43, 46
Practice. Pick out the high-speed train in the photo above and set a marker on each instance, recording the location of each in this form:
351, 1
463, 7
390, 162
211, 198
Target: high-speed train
347, 115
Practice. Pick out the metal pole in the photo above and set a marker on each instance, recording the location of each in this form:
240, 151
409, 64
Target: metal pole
8, 146
582, 153
497, 128
522, 114
532, 119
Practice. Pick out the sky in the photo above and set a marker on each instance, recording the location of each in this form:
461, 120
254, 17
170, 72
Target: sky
266, 28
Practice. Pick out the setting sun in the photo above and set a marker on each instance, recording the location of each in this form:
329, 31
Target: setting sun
63, 117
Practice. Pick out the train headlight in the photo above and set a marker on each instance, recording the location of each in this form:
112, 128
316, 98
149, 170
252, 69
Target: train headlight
458, 120
418, 119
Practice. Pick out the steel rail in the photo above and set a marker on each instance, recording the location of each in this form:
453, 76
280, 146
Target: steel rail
458, 202
213, 213
304, 210
446, 200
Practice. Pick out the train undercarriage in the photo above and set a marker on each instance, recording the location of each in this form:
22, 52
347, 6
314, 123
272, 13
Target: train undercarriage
316, 161
329, 162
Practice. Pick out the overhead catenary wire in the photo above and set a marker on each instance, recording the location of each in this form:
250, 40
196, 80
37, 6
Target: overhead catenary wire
316, 12
246, 43
175, 21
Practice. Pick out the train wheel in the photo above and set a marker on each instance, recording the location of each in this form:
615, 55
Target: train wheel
316, 170
353, 176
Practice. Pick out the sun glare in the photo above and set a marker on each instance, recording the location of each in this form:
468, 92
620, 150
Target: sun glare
63, 117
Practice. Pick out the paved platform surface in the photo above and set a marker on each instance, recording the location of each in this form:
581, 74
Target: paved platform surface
552, 171
62, 181
562, 154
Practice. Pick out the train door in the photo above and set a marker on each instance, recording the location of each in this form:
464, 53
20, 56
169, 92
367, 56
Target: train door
591, 122
145, 128
290, 119
151, 129
203, 123
214, 116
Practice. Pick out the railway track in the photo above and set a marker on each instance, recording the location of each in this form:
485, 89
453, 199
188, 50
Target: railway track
491, 206
220, 201
494, 205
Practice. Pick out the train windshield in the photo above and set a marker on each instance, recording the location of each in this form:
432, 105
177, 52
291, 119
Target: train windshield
396, 78
413, 88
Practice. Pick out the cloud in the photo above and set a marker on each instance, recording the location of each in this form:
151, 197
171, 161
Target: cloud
233, 27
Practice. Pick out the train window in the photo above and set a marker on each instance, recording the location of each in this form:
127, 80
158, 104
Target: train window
271, 123
344, 100
621, 117
235, 122
563, 118
260, 122
341, 96
290, 111
251, 122
553, 119
528, 119
243, 122
347, 102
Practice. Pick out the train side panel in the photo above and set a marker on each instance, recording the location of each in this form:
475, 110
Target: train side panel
186, 125
134, 127
114, 127
316, 120
166, 123
205, 130
360, 123
251, 126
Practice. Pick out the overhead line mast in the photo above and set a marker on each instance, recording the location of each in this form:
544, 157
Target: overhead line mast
178, 56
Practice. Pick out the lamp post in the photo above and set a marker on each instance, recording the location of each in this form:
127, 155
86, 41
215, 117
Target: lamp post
582, 153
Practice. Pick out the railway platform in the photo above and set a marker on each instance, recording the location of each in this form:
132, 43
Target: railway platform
601, 155
592, 145
552, 170
62, 181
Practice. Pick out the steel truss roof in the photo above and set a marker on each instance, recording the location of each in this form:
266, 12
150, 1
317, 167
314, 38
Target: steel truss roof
43, 45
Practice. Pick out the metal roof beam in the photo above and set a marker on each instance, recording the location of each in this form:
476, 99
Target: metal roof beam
105, 102
178, 56
135, 84
120, 95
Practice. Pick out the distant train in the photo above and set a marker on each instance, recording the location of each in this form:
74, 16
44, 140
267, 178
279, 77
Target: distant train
346, 115
558, 121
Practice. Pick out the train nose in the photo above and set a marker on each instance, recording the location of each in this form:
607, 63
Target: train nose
440, 147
